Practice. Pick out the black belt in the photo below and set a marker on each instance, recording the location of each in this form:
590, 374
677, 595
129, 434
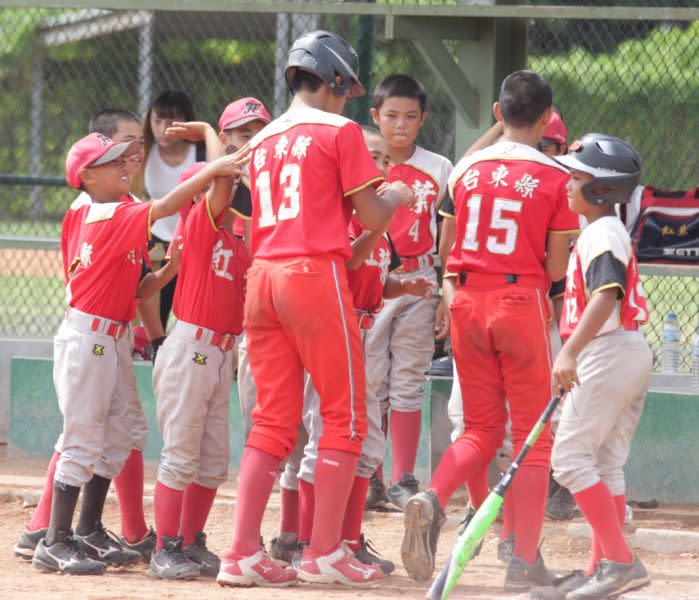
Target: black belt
508, 278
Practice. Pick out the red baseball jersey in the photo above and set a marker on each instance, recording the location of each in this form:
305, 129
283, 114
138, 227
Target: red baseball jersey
211, 281
367, 281
603, 258
414, 230
506, 200
303, 168
110, 244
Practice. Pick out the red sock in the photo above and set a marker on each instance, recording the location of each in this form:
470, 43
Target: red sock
459, 463
620, 503
167, 506
289, 514
508, 516
333, 477
306, 508
529, 491
601, 511
129, 489
42, 512
258, 470
478, 488
405, 438
196, 507
352, 525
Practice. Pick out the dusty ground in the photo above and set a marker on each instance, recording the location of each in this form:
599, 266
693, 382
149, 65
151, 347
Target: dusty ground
674, 576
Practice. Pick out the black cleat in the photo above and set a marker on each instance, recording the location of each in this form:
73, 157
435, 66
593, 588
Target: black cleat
144, 547
376, 494
171, 562
424, 518
104, 546
399, 493
561, 505
281, 551
64, 556
506, 548
612, 579
521, 576
368, 555
209, 564
560, 587
27, 542
298, 555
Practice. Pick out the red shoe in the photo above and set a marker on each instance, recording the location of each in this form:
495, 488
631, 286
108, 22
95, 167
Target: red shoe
257, 569
337, 567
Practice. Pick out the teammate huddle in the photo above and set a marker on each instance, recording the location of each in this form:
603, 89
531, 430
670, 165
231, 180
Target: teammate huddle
338, 300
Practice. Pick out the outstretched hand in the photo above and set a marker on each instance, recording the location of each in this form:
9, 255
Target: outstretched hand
419, 286
231, 165
193, 131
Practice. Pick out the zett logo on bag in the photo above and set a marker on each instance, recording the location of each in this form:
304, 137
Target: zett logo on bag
98, 350
199, 359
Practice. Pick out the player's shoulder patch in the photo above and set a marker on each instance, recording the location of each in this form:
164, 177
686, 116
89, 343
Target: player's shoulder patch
83, 199
292, 118
101, 212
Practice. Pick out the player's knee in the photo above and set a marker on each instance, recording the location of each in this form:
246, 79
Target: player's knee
614, 480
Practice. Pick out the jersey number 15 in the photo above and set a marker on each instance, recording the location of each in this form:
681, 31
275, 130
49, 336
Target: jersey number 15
290, 206
498, 222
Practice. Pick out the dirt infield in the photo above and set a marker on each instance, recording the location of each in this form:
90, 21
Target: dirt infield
674, 576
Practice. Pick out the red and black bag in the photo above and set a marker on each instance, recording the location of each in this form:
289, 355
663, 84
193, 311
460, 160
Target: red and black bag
667, 227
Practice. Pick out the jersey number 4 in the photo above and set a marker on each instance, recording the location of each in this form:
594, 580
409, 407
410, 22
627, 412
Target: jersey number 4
290, 206
498, 222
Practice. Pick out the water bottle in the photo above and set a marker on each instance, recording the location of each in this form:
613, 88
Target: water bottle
670, 359
695, 362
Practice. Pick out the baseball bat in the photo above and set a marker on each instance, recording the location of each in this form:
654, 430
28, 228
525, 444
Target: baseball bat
480, 523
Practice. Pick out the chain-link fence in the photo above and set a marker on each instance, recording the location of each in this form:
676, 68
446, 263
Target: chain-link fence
633, 78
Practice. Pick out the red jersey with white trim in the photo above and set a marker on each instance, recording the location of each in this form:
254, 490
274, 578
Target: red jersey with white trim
212, 278
367, 281
414, 230
603, 258
507, 198
109, 253
303, 168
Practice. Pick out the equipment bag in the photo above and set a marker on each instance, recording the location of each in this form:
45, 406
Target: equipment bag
667, 227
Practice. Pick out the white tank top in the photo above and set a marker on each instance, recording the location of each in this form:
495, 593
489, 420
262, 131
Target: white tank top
160, 179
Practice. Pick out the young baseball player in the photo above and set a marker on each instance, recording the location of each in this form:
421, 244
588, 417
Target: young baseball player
308, 170
604, 307
373, 257
512, 226
91, 347
192, 380
400, 345
122, 126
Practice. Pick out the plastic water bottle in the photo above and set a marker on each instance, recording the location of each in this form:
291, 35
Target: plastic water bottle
695, 362
670, 362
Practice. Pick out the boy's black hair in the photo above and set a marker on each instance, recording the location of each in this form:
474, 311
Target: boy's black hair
524, 97
401, 86
107, 121
303, 80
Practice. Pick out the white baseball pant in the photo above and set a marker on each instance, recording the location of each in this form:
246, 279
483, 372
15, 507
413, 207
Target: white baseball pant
192, 381
92, 372
600, 415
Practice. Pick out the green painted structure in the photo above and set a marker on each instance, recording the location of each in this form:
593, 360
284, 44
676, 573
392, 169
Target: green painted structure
662, 464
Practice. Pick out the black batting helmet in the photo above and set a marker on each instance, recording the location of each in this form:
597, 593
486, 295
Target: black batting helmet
326, 55
614, 164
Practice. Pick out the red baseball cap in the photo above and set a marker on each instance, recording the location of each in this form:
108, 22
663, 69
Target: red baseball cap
243, 111
91, 151
556, 129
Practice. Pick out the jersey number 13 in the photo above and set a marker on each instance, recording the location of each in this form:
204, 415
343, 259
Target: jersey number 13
290, 206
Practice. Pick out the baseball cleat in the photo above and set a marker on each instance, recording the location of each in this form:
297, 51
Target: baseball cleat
368, 555
560, 587
170, 562
296, 556
144, 546
209, 564
257, 569
64, 556
506, 549
424, 518
521, 576
560, 505
376, 494
104, 546
339, 567
612, 579
25, 545
399, 493
282, 551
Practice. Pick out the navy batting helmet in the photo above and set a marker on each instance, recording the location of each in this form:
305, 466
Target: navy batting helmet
614, 164
326, 55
